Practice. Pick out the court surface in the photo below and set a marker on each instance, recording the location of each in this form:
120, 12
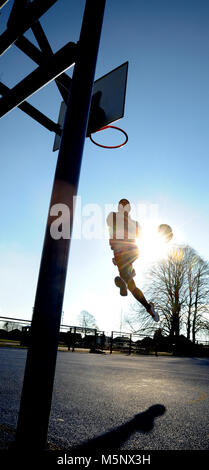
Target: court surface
106, 397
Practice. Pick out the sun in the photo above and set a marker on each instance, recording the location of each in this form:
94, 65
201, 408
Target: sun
152, 244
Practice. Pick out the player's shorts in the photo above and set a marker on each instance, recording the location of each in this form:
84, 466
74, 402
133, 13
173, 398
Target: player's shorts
124, 256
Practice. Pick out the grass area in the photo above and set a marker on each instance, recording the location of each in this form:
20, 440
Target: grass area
11, 342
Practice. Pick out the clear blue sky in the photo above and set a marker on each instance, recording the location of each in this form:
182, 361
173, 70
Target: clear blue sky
164, 165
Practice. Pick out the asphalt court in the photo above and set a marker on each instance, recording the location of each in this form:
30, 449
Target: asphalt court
96, 396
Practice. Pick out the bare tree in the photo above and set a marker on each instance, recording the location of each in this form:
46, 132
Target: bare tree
9, 325
168, 288
139, 321
198, 297
87, 320
179, 288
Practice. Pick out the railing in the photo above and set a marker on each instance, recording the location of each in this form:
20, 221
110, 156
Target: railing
72, 337
16, 331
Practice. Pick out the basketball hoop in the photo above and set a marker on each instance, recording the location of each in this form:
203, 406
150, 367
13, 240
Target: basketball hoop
112, 146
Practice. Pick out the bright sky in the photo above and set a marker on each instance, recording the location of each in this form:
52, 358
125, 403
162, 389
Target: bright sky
163, 170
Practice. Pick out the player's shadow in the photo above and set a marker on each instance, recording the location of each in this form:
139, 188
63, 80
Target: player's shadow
112, 440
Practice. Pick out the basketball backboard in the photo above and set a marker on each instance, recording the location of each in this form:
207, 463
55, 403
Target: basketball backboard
107, 104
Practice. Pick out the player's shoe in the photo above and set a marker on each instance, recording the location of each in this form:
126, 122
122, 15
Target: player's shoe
153, 313
122, 285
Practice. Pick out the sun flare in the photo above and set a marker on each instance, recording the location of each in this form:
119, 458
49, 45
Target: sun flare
152, 244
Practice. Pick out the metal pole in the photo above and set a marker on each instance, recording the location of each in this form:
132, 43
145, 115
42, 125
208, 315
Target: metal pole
61, 60
32, 13
95, 338
34, 113
111, 341
130, 342
41, 359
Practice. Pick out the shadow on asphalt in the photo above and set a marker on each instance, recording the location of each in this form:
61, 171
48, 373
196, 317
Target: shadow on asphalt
112, 440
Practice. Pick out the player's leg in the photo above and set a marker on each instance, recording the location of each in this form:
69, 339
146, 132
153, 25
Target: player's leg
126, 272
119, 282
138, 294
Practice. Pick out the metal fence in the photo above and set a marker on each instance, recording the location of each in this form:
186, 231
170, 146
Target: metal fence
17, 332
73, 337
129, 342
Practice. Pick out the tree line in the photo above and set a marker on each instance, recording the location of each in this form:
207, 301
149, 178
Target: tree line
179, 288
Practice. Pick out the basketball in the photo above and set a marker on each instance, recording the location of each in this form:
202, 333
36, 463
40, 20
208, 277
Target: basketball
166, 232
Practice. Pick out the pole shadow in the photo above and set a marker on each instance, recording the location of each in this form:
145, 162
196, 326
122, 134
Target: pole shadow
113, 440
